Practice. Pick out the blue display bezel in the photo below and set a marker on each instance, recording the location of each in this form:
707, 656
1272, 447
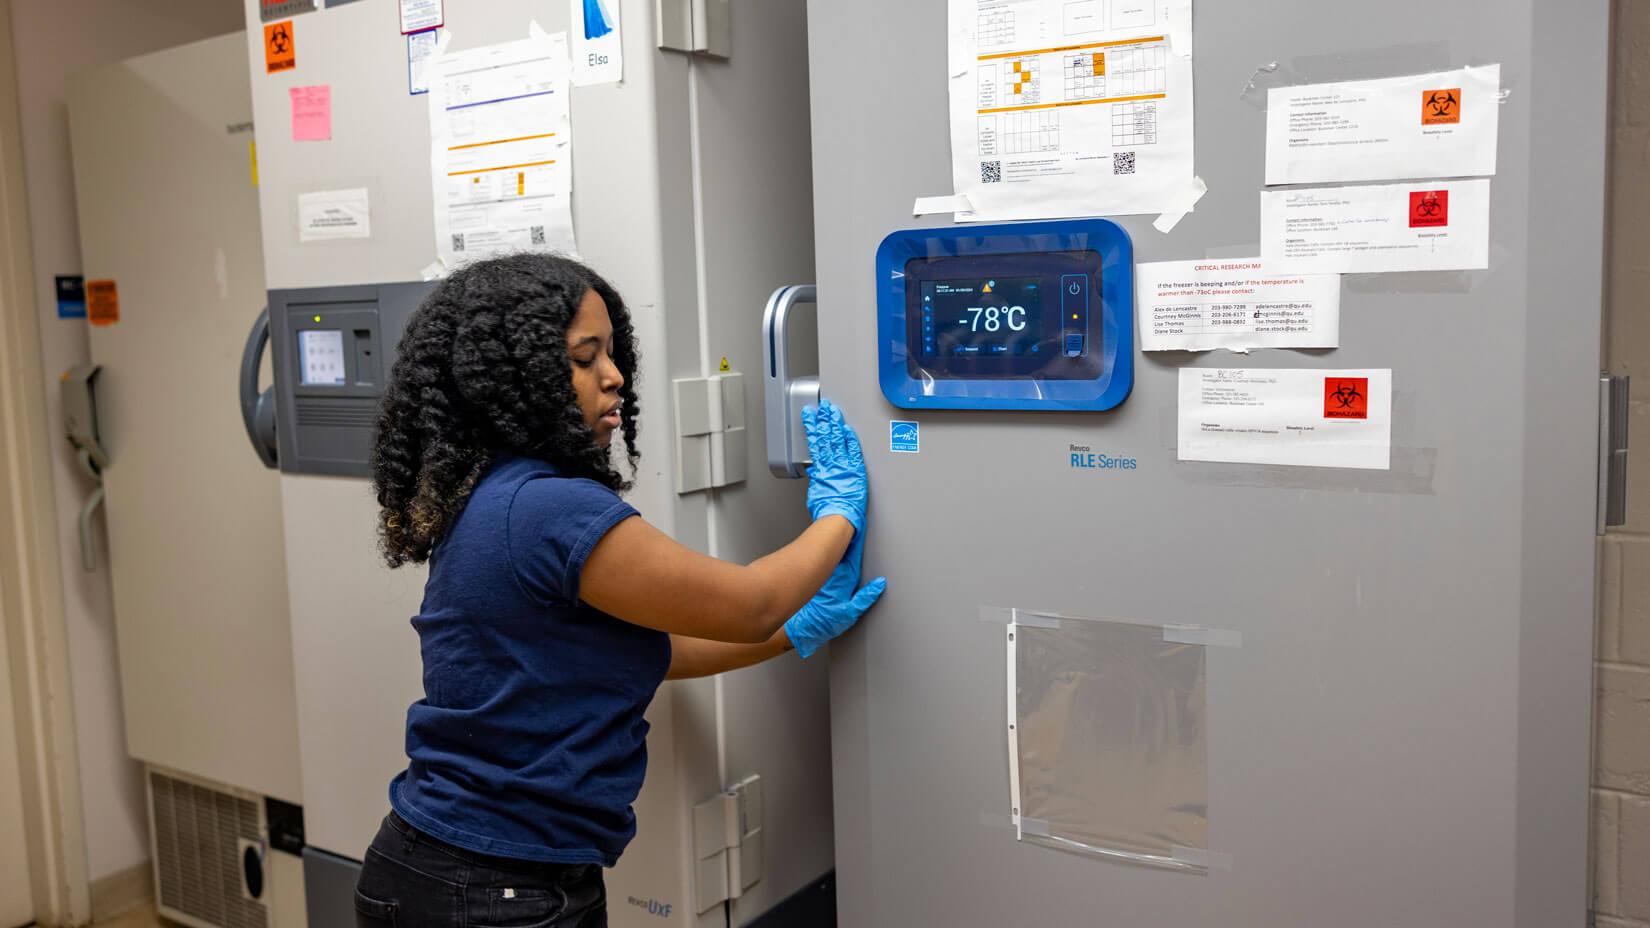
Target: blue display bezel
1111, 384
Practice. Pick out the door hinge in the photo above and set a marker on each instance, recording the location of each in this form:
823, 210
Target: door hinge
1612, 450
727, 842
710, 431
697, 27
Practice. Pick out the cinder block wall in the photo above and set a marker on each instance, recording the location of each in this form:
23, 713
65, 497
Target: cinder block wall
1621, 759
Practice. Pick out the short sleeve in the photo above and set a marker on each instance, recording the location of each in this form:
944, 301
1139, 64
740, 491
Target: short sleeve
553, 525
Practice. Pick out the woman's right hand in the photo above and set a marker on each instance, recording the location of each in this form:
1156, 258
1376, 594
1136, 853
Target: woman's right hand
837, 483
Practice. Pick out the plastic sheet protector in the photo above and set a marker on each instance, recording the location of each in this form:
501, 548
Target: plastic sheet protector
500, 148
1432, 226
1442, 124
1062, 108
1108, 748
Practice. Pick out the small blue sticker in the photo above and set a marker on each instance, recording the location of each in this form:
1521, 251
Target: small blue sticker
902, 436
71, 297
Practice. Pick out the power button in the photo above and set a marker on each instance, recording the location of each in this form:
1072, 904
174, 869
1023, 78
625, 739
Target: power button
1074, 315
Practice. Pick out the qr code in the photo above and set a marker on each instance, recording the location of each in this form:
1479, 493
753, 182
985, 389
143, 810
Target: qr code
458, 241
537, 233
991, 172
1122, 162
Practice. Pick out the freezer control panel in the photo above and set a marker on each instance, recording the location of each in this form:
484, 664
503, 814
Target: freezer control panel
1026, 316
332, 348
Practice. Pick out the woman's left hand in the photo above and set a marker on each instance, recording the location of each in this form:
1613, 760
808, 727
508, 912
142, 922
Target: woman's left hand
837, 605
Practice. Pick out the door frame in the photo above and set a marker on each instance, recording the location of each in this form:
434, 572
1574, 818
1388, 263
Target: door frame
31, 591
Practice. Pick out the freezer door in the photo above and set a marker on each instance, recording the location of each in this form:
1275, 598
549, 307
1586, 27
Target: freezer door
168, 211
1402, 736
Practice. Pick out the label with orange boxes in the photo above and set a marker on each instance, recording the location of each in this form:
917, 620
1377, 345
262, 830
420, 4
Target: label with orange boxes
1426, 125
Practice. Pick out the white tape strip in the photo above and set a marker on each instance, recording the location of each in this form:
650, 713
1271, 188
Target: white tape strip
1035, 620
997, 615
1209, 860
1210, 637
990, 820
955, 203
1171, 217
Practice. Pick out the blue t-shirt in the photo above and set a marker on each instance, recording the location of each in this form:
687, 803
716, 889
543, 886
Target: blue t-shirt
529, 741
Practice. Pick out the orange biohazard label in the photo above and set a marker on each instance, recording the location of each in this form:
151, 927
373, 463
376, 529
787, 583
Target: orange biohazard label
102, 302
1346, 397
280, 52
1441, 107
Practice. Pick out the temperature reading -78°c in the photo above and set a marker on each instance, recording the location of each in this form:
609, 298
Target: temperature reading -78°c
996, 317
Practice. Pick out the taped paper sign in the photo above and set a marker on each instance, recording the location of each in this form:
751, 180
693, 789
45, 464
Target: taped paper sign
1437, 226
598, 49
420, 47
311, 113
334, 214
1428, 125
1063, 108
1237, 305
418, 15
1306, 418
499, 149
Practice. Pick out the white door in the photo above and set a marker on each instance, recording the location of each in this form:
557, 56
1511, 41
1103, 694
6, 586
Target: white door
16, 901
168, 211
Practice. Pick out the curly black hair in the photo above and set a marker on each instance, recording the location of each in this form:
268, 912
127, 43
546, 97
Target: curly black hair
482, 370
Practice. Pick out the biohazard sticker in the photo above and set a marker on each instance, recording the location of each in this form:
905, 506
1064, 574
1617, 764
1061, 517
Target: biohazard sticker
1441, 107
102, 302
1346, 397
1428, 209
280, 51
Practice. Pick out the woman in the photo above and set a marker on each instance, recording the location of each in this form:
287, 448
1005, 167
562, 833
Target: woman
552, 610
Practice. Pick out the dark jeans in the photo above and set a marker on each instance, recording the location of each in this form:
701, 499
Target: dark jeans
411, 880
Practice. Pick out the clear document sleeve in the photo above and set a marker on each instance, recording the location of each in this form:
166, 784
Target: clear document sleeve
1108, 741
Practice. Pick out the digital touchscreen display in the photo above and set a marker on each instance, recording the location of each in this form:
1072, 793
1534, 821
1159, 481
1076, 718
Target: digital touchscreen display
321, 357
984, 317
995, 317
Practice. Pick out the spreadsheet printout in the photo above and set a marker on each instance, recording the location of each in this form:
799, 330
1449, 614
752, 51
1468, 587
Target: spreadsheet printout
1062, 108
500, 149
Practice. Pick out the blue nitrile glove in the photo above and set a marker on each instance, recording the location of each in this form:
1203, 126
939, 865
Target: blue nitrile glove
836, 607
836, 480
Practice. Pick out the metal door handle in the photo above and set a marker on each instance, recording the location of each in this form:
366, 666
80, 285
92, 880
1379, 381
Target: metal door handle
784, 396
258, 409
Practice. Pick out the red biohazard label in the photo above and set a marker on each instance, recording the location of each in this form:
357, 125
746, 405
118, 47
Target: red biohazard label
1346, 397
1428, 209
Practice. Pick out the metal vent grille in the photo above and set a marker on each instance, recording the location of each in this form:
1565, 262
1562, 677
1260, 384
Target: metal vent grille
197, 834
337, 413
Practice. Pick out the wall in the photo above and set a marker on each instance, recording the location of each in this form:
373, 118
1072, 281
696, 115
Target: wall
1621, 771
56, 38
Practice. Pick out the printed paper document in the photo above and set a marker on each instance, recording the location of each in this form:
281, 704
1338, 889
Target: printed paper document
1309, 418
1428, 125
1238, 305
500, 144
334, 214
1436, 226
1062, 108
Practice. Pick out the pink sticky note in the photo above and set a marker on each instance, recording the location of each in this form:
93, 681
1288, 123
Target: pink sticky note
311, 113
